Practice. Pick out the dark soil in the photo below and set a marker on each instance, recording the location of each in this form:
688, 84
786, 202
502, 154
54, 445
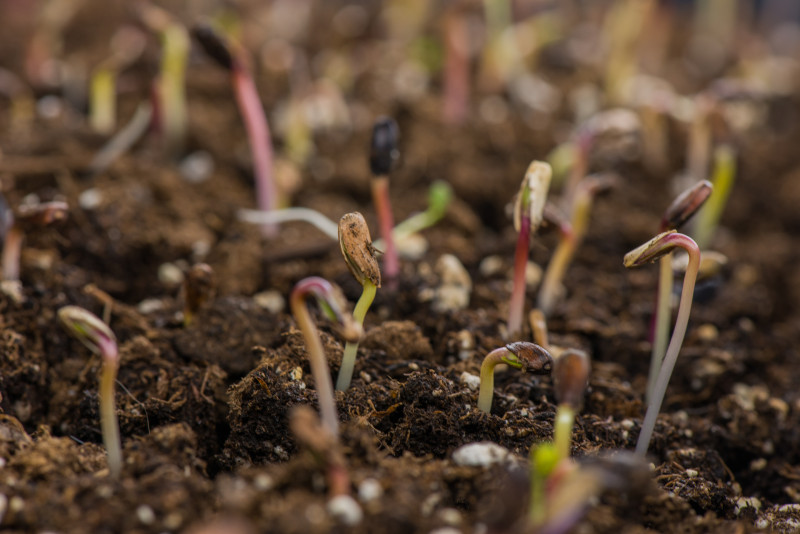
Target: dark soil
204, 410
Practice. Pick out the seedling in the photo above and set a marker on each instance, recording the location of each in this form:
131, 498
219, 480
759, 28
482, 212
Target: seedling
571, 234
383, 157
198, 287
680, 211
724, 174
100, 339
521, 355
455, 30
170, 85
28, 217
360, 257
103, 99
570, 378
234, 61
649, 252
332, 303
323, 445
528, 210
440, 194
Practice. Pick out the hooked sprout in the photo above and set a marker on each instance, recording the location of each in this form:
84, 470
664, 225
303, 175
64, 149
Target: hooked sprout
681, 210
198, 288
571, 234
100, 339
332, 303
570, 377
359, 255
233, 60
521, 355
384, 153
649, 252
528, 209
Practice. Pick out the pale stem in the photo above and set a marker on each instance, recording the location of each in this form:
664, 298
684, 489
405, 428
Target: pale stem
383, 208
562, 429
318, 362
539, 326
12, 248
103, 103
662, 321
173, 98
312, 217
551, 285
255, 122
517, 302
486, 392
351, 348
124, 139
108, 415
681, 322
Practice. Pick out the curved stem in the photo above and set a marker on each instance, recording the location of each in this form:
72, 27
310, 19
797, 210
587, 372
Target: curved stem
108, 415
486, 392
351, 348
12, 249
662, 321
255, 122
548, 294
517, 303
318, 362
681, 322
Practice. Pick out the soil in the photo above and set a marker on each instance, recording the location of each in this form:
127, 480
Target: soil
204, 410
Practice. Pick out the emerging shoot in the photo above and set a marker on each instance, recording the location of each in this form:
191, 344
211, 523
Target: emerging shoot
521, 355
233, 60
528, 210
680, 211
28, 217
98, 338
198, 288
570, 378
359, 255
572, 233
657, 247
384, 153
333, 304
724, 174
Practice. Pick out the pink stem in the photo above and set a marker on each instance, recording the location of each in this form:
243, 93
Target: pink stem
456, 70
12, 248
517, 302
380, 197
255, 122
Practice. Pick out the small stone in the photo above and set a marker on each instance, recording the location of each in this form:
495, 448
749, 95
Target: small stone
271, 300
145, 515
197, 167
369, 490
90, 199
533, 274
412, 247
490, 266
150, 306
758, 464
627, 424
471, 381
481, 454
707, 332
346, 510
450, 516
296, 373
173, 521
170, 274
691, 473
263, 482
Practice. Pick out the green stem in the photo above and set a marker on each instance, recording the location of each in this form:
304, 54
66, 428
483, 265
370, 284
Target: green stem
351, 348
562, 429
486, 392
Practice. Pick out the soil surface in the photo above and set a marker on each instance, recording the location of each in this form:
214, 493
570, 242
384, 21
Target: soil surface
205, 409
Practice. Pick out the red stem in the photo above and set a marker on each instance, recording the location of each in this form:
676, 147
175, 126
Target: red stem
380, 197
255, 122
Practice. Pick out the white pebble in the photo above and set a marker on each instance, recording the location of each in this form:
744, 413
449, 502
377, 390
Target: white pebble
90, 199
471, 381
346, 510
369, 490
145, 515
271, 300
481, 454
